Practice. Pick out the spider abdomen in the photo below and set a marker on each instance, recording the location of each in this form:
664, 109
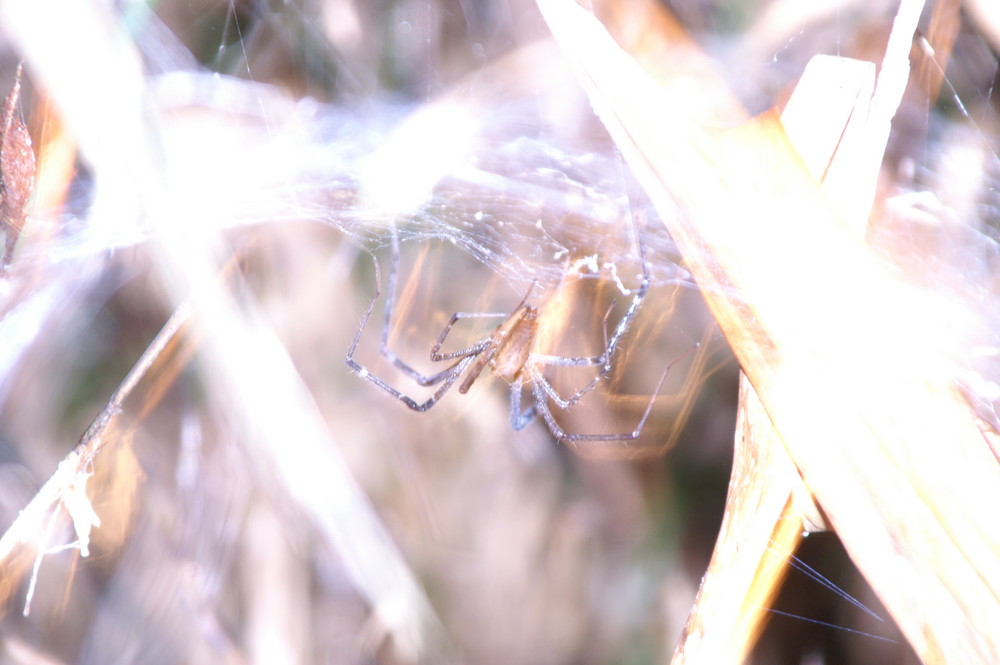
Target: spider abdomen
515, 346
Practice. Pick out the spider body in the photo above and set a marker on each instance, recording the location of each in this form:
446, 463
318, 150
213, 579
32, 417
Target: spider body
509, 352
509, 348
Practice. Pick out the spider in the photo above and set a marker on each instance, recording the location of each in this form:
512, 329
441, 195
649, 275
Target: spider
508, 352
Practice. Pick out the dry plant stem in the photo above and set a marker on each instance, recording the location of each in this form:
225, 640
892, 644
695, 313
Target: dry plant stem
945, 23
17, 169
760, 528
769, 507
68, 484
850, 365
122, 137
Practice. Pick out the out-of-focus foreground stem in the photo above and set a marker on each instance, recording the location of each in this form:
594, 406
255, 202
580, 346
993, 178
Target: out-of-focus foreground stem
851, 365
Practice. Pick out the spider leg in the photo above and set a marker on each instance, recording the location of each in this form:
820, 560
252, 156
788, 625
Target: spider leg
541, 405
610, 344
563, 361
447, 376
584, 361
389, 310
450, 375
519, 419
480, 346
365, 317
537, 378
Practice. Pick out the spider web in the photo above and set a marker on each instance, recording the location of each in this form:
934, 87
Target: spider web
522, 199
532, 221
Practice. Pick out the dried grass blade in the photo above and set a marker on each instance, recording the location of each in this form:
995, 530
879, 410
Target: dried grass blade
851, 365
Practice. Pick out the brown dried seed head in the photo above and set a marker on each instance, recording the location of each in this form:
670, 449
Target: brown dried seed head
17, 166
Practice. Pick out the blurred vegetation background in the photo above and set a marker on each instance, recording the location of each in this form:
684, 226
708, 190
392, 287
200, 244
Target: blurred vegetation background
526, 551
